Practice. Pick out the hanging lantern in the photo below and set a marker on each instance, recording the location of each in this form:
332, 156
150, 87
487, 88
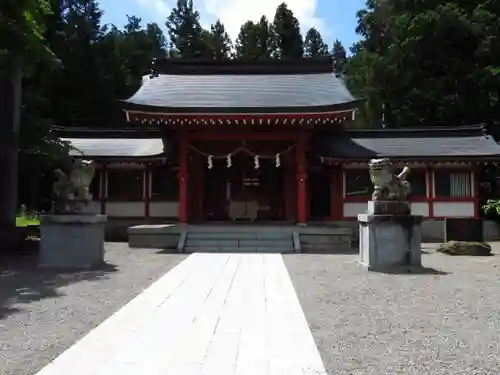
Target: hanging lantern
256, 162
210, 162
229, 162
278, 160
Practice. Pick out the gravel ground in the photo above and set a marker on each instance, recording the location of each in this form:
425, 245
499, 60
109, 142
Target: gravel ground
43, 313
442, 321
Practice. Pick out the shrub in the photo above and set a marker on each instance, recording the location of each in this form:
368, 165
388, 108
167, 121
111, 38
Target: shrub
465, 248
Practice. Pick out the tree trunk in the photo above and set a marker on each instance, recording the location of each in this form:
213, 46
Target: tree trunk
10, 107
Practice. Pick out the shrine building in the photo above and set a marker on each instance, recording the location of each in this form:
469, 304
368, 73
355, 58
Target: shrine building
266, 142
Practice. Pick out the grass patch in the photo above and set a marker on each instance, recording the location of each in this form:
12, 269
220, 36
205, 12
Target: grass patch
24, 221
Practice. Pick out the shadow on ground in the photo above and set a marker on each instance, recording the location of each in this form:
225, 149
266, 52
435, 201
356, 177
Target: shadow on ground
408, 270
22, 282
167, 251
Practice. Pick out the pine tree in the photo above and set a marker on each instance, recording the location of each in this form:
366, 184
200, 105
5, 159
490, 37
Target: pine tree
221, 42
288, 39
247, 43
185, 31
264, 38
314, 45
339, 56
78, 48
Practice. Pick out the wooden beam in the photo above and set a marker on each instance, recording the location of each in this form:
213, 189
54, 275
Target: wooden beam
236, 136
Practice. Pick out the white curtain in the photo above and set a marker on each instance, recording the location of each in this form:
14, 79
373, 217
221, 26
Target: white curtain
460, 184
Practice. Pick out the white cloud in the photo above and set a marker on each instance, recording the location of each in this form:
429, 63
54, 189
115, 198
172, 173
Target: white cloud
160, 7
233, 13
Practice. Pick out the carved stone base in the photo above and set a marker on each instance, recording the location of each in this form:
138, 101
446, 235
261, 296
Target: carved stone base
76, 207
389, 208
72, 241
387, 241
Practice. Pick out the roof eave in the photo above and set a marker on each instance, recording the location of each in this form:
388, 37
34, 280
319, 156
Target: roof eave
351, 105
414, 157
138, 132
120, 157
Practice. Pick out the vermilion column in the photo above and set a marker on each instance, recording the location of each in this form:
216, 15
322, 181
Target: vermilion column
183, 177
301, 177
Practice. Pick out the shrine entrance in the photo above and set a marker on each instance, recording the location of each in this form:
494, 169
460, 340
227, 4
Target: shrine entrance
242, 186
243, 192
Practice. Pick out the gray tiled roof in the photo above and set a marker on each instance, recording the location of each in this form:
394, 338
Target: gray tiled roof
242, 91
446, 147
115, 147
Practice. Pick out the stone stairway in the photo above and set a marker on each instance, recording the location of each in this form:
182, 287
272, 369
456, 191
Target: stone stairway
238, 240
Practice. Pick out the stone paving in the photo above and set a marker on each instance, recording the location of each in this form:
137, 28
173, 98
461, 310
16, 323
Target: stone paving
43, 313
445, 320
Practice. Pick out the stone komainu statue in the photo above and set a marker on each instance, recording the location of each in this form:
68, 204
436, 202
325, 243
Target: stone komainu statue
387, 185
69, 190
81, 177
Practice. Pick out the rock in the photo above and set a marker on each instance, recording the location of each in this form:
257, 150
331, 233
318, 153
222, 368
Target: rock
465, 248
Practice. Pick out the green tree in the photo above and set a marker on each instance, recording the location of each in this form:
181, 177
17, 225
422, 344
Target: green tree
265, 35
339, 56
314, 45
22, 28
247, 43
429, 62
139, 47
221, 45
185, 31
288, 39
76, 93
255, 40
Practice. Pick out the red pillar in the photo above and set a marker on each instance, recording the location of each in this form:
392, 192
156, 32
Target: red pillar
301, 177
430, 191
183, 177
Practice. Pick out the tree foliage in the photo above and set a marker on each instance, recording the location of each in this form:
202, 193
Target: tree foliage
22, 27
314, 46
425, 62
256, 41
185, 31
288, 38
428, 62
339, 56
219, 42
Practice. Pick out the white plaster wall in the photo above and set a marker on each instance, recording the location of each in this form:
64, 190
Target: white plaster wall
454, 209
420, 208
164, 209
352, 209
125, 209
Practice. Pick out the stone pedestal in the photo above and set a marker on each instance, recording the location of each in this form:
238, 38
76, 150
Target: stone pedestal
389, 240
72, 241
389, 208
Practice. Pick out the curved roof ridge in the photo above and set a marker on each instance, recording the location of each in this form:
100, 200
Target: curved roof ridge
242, 93
241, 66
430, 131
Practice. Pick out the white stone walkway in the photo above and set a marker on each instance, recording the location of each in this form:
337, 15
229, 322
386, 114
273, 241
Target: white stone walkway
213, 314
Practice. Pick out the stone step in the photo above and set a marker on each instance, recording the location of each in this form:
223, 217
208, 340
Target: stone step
267, 242
211, 242
237, 236
272, 249
237, 242
227, 247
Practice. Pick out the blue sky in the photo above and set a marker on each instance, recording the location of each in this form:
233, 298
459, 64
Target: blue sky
334, 18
